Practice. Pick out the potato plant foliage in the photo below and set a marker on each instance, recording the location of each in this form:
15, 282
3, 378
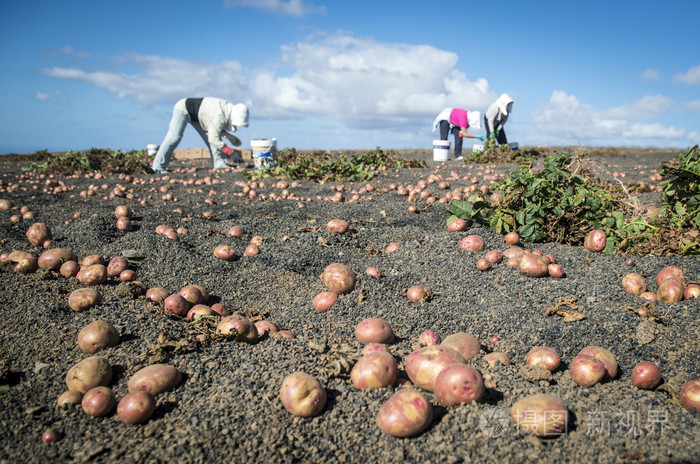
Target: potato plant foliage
562, 203
92, 160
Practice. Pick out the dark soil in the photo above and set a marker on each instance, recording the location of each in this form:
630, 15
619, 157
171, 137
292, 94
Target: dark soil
227, 407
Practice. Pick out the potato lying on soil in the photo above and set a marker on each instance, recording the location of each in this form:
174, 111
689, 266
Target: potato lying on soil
374, 330
93, 274
463, 343
238, 327
117, 265
91, 372
541, 414
543, 356
605, 357
377, 369
405, 414
424, 364
55, 257
83, 299
339, 278
155, 379
302, 395
39, 235
458, 384
136, 407
69, 397
98, 401
97, 335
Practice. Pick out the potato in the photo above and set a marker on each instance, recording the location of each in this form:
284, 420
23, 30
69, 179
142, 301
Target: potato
225, 252
198, 311
371, 347
93, 274
116, 265
337, 226
587, 370
193, 295
55, 257
155, 379
136, 407
463, 343
405, 414
690, 395
377, 369
668, 272
458, 384
89, 260
98, 401
83, 299
634, 283
96, 336
239, 328
123, 211
91, 372
543, 356
39, 235
324, 301
157, 294
595, 241
646, 375
429, 338
339, 278
424, 364
265, 327
605, 357
670, 290
374, 330
532, 265
69, 269
542, 414
497, 357
302, 395
176, 304
69, 397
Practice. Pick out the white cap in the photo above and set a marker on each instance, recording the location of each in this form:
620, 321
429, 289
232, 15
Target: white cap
504, 102
474, 119
239, 115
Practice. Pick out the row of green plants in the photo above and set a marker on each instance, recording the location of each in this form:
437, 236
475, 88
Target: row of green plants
328, 166
562, 203
92, 160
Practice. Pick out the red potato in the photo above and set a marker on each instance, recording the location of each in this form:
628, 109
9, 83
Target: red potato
497, 357
337, 226
127, 275
374, 330
372, 347
95, 274
251, 250
238, 328
116, 266
302, 395
416, 293
39, 235
392, 247
83, 299
405, 414
198, 311
123, 211
69, 269
91, 372
463, 343
220, 309
339, 278
605, 357
136, 407
5, 204
124, 224
651, 296
236, 231
669, 272
542, 414
69, 397
458, 384
493, 257
457, 225
193, 295
324, 301
512, 238
532, 265
373, 272
97, 335
690, 395
513, 252
177, 304
283, 334
155, 379
157, 294
51, 435
98, 401
555, 270
646, 375
691, 291
377, 369
424, 364
429, 338
543, 356
670, 290
54, 258
225, 253
472, 243
587, 370
595, 241
634, 283
92, 259
266, 327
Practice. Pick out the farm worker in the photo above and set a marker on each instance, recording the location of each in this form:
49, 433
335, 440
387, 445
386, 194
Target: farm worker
212, 118
496, 117
457, 121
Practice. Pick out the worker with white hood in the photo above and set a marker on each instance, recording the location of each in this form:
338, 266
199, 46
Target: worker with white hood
457, 121
212, 118
496, 117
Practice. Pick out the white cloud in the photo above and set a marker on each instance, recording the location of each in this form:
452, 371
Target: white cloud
650, 75
298, 8
693, 105
648, 106
41, 96
691, 77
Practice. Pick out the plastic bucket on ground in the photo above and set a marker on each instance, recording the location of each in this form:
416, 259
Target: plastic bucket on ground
513, 146
441, 150
152, 149
478, 147
264, 152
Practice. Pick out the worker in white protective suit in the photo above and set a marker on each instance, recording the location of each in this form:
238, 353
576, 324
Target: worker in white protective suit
212, 118
495, 118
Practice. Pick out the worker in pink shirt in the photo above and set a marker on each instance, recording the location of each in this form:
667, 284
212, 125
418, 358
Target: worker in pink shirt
457, 121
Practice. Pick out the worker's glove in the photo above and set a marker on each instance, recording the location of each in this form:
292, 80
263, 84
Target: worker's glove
480, 137
228, 151
492, 136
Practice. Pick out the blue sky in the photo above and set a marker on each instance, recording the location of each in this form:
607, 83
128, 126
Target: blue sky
349, 74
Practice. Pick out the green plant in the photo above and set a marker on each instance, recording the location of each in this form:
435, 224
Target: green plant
499, 154
680, 198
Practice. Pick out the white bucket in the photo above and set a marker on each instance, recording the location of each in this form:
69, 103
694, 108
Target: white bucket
478, 147
152, 149
264, 152
441, 150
